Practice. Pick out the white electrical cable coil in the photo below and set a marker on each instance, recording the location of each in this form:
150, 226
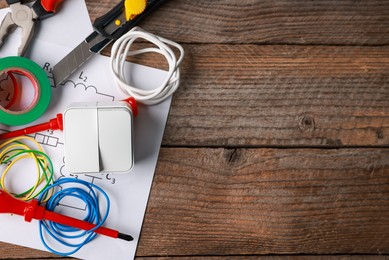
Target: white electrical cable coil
121, 50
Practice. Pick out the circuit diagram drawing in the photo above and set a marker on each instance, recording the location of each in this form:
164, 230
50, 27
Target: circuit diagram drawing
97, 179
81, 81
47, 139
76, 89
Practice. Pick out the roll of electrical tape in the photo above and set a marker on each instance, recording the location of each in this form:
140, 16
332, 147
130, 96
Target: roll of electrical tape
39, 81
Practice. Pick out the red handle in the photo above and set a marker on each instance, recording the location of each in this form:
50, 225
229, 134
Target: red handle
31, 210
54, 124
9, 204
50, 5
77, 223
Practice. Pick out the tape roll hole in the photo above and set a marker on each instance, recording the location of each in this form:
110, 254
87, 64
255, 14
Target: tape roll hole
19, 91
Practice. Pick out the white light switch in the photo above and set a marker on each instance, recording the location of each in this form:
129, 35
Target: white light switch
99, 137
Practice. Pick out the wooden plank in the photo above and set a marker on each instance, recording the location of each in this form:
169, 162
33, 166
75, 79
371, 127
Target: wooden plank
275, 257
250, 95
261, 201
267, 22
300, 96
268, 201
264, 201
9, 251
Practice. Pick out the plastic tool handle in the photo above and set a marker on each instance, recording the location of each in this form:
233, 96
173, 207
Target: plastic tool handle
76, 223
102, 22
45, 8
10, 2
50, 5
31, 210
9, 204
53, 124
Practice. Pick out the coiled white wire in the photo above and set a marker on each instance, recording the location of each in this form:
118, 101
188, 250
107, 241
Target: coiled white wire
121, 50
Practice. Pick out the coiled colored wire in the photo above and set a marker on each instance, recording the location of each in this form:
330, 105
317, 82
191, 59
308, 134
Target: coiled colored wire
68, 236
18, 149
121, 50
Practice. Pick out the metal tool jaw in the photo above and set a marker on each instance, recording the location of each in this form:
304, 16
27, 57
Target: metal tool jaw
21, 16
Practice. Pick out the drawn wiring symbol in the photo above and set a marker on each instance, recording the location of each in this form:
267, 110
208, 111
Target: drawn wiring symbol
84, 78
86, 177
75, 204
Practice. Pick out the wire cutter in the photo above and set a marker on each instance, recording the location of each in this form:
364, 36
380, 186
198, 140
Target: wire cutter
107, 28
24, 16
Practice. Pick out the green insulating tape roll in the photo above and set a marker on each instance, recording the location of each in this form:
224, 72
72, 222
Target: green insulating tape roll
41, 82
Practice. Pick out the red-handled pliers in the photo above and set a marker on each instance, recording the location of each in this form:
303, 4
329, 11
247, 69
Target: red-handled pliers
25, 17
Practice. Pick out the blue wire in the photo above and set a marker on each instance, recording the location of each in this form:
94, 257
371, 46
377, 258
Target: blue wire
64, 234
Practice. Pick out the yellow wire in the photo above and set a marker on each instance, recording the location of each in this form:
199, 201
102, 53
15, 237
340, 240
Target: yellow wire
16, 144
2, 182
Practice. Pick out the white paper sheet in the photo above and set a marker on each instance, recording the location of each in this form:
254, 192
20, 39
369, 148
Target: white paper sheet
93, 82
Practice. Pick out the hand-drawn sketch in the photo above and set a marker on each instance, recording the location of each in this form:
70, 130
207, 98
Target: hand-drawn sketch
92, 83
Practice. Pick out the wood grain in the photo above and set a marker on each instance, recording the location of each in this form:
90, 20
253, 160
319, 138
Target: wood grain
289, 257
275, 96
264, 201
267, 22
263, 74
8, 251
250, 95
268, 201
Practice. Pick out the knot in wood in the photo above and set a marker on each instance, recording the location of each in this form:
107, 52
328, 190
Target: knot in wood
307, 123
380, 134
232, 155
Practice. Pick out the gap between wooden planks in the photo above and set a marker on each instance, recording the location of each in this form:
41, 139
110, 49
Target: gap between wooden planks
327, 96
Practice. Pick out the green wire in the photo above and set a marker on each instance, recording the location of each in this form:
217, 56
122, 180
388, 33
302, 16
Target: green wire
43, 172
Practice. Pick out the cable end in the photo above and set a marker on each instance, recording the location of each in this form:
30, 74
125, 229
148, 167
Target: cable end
125, 237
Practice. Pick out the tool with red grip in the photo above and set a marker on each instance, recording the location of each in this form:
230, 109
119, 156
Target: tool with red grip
50, 6
111, 26
54, 124
32, 210
25, 17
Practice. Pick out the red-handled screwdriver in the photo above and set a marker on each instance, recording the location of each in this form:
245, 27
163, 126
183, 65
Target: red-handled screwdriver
53, 124
31, 210
56, 123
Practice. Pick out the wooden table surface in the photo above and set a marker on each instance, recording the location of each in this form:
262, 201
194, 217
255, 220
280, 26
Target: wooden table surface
278, 138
